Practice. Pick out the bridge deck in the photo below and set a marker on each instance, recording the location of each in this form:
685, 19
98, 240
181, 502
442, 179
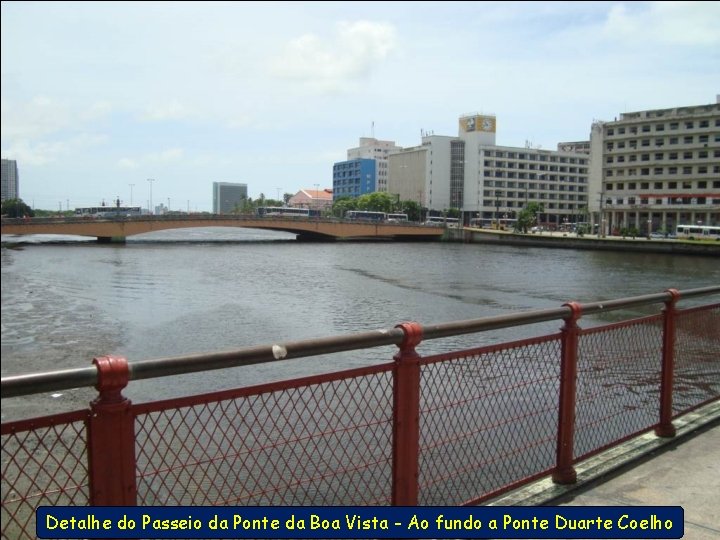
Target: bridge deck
303, 227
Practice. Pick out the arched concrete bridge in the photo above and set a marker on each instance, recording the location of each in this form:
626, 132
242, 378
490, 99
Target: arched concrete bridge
117, 230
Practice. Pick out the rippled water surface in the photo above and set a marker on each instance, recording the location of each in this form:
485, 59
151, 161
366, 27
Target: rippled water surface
182, 292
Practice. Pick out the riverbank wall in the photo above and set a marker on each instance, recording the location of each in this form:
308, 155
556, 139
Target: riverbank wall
572, 241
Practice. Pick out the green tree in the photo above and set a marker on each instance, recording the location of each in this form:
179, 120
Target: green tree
342, 205
376, 202
16, 208
528, 216
412, 209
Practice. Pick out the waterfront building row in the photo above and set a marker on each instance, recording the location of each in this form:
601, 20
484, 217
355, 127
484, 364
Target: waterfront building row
649, 170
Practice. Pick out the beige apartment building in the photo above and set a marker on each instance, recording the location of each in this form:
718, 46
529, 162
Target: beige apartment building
657, 169
491, 183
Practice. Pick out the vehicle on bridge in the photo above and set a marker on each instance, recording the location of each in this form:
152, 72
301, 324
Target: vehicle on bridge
108, 211
440, 221
286, 211
397, 218
364, 215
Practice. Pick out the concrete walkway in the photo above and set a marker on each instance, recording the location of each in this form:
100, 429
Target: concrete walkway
648, 471
686, 473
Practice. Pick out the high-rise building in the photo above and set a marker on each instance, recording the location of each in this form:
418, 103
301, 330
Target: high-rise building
657, 169
10, 180
482, 180
354, 177
372, 148
227, 196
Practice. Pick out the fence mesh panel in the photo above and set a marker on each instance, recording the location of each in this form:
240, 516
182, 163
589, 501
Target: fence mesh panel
697, 358
618, 383
488, 419
42, 465
324, 444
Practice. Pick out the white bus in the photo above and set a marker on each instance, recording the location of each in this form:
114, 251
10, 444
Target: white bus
439, 221
397, 218
364, 215
283, 211
108, 212
698, 231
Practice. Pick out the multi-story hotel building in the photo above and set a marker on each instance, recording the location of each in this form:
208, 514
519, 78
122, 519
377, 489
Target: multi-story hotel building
483, 180
658, 169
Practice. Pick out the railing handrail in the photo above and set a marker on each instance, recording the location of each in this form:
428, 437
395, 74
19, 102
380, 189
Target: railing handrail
21, 385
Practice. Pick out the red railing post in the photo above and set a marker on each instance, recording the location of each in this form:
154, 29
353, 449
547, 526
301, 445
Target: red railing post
111, 437
564, 472
665, 427
406, 418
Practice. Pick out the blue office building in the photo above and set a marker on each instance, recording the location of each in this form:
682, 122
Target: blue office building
354, 177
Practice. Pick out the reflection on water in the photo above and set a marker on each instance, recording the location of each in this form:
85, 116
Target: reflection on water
198, 290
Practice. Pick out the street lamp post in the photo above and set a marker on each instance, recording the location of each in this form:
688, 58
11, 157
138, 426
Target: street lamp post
151, 180
317, 187
131, 189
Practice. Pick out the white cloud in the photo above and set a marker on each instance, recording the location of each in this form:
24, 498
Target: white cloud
170, 110
128, 163
44, 152
336, 62
39, 116
679, 23
170, 155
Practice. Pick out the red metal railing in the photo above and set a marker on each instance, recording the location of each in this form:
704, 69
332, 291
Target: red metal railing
455, 428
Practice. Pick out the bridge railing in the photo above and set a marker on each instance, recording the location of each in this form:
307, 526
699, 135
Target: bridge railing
448, 429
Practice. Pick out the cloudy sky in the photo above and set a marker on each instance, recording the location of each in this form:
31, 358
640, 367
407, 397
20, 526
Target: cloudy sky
97, 97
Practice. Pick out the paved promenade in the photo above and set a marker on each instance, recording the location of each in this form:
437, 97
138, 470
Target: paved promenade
650, 471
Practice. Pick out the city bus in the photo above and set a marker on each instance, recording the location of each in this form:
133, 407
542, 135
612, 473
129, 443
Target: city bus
108, 211
439, 221
363, 215
397, 218
698, 231
282, 211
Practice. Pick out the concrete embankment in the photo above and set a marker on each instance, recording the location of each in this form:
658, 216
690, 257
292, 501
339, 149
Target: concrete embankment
571, 241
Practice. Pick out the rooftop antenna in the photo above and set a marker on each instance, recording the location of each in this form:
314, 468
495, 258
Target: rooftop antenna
372, 129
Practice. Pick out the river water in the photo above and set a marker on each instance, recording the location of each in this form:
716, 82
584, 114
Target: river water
201, 290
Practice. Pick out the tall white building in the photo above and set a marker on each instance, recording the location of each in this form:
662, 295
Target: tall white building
371, 148
657, 169
10, 180
483, 180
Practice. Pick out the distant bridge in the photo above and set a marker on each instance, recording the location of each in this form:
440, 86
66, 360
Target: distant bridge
117, 230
